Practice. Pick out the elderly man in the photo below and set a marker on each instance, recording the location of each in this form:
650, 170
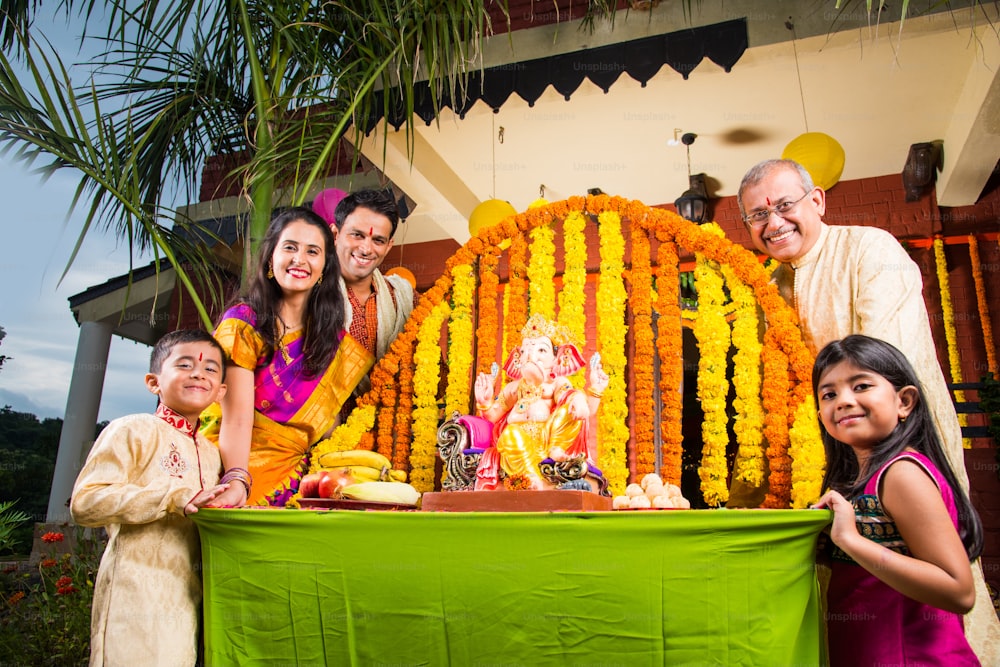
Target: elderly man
845, 280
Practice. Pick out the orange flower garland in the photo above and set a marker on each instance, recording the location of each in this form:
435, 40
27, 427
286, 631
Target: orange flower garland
668, 344
516, 298
612, 415
642, 359
386, 413
984, 309
775, 399
486, 332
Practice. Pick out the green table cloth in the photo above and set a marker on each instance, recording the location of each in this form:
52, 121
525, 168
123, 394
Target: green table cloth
711, 587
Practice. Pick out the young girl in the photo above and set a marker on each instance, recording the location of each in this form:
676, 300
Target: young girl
904, 530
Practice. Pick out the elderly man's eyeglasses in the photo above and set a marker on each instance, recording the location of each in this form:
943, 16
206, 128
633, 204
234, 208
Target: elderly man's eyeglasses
759, 218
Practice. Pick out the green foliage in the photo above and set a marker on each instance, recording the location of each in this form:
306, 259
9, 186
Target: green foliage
989, 402
28, 449
10, 519
45, 610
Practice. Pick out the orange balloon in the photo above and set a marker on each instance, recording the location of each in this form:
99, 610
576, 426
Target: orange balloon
821, 155
405, 273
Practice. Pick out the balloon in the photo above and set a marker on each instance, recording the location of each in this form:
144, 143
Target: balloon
489, 213
326, 203
403, 272
820, 154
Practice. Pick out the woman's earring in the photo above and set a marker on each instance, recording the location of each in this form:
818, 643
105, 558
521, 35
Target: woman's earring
320, 281
902, 420
270, 270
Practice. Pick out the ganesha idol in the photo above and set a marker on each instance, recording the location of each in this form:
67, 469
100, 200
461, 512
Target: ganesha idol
533, 433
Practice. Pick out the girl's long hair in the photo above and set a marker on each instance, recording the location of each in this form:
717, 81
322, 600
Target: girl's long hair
917, 431
325, 313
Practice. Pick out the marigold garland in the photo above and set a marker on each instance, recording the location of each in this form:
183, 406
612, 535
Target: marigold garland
808, 456
460, 346
669, 346
572, 297
950, 335
486, 332
644, 352
346, 436
984, 309
774, 397
612, 415
516, 298
782, 337
425, 408
712, 332
542, 272
387, 411
749, 418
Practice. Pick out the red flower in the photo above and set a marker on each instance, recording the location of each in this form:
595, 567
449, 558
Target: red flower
62, 582
66, 590
15, 598
53, 537
49, 562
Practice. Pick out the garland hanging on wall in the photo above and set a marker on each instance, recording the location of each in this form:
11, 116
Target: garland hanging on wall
981, 303
644, 352
950, 335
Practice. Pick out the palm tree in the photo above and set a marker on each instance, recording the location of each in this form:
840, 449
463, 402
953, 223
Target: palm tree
275, 85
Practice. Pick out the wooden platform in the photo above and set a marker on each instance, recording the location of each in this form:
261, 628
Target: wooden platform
514, 501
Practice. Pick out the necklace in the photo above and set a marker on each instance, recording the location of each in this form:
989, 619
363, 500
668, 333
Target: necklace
527, 394
279, 335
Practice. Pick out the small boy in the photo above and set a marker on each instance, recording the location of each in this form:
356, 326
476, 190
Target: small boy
144, 475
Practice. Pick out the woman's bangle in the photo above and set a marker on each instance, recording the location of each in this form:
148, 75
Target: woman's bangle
483, 407
595, 394
240, 475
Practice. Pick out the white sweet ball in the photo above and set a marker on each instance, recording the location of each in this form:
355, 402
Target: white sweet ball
633, 490
654, 490
620, 502
650, 478
682, 503
639, 502
663, 502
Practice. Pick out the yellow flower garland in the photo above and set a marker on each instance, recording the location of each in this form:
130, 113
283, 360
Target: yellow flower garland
460, 329
712, 332
542, 272
612, 415
572, 297
425, 408
984, 309
950, 335
749, 418
642, 358
669, 346
808, 456
346, 436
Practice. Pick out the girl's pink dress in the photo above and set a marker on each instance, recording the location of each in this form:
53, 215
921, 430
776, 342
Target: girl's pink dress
868, 622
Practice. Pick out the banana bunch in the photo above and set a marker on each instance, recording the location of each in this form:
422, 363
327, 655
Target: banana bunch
363, 465
398, 493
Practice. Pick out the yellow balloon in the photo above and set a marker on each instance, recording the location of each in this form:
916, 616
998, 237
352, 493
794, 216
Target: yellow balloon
489, 213
821, 155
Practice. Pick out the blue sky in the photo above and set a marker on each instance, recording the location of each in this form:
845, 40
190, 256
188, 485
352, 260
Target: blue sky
41, 332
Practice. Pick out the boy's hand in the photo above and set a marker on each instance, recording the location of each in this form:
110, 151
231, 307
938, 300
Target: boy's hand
234, 496
203, 497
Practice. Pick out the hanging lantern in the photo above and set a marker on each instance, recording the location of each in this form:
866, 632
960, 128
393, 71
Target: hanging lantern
326, 203
820, 154
404, 273
491, 212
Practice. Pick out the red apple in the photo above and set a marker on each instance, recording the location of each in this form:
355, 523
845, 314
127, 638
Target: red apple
328, 485
309, 486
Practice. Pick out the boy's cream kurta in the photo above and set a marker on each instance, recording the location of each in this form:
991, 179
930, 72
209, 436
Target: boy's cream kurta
859, 280
137, 479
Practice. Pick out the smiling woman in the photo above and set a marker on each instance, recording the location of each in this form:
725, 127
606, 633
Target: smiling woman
289, 373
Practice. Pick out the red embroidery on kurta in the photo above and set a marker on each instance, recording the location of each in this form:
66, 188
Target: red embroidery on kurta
173, 462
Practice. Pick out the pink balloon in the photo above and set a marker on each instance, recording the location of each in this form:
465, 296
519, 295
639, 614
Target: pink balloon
326, 203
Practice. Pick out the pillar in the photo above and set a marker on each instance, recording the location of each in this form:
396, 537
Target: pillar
82, 404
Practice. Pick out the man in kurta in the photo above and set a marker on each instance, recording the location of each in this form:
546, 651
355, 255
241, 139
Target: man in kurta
142, 478
844, 280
